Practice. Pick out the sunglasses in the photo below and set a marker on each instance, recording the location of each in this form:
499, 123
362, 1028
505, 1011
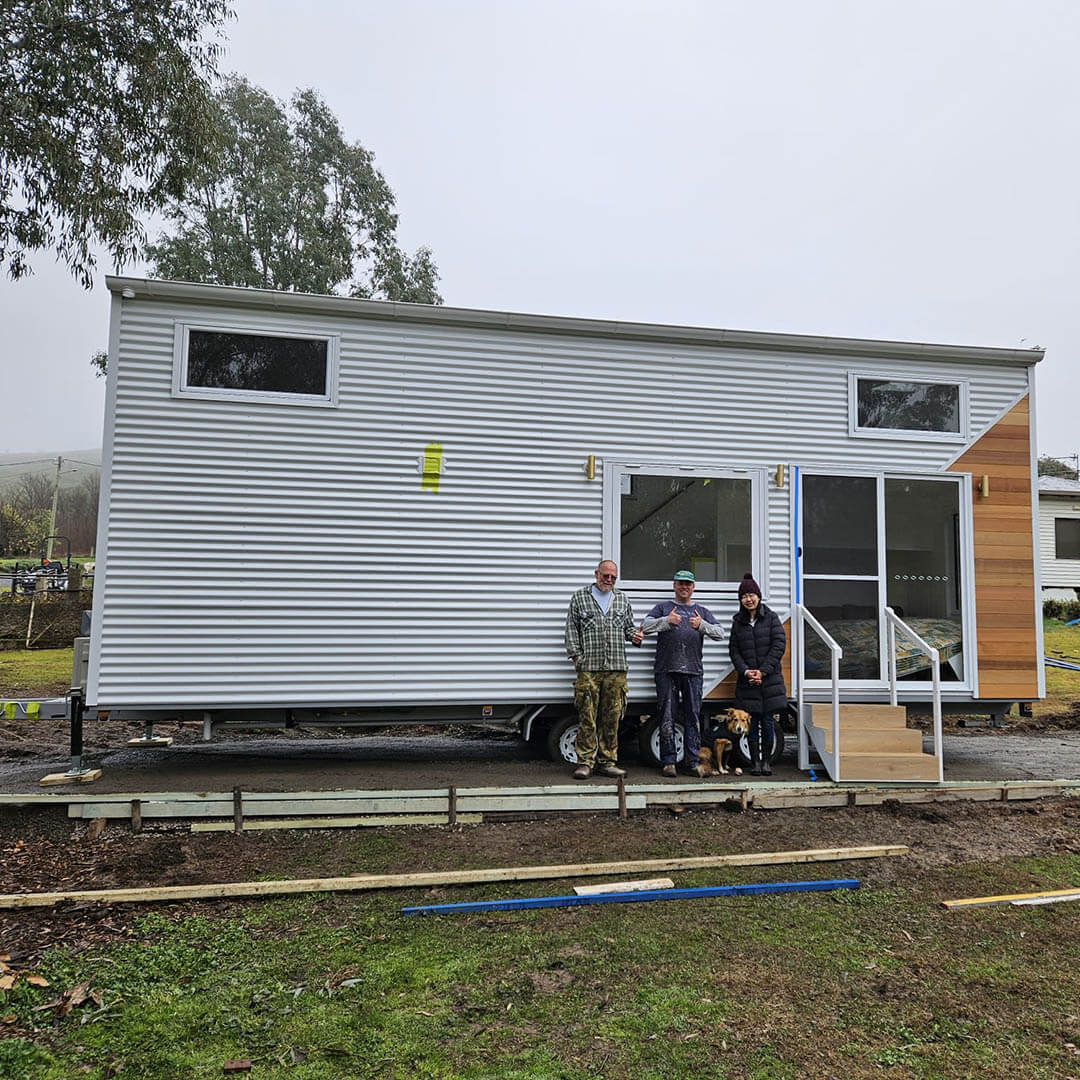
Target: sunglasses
607, 577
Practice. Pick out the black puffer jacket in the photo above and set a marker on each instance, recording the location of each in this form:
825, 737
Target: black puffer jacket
760, 646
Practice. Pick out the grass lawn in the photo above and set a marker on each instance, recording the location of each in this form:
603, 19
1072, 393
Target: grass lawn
30, 673
879, 982
1062, 687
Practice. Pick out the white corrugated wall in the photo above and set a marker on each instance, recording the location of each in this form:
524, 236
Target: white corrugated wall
268, 554
1055, 572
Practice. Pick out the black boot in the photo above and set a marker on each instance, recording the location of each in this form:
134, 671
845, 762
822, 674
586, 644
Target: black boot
755, 764
766, 765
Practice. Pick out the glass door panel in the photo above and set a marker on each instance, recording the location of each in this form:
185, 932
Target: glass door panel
849, 611
841, 576
840, 525
923, 572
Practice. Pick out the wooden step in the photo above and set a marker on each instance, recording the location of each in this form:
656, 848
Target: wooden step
857, 715
874, 766
887, 740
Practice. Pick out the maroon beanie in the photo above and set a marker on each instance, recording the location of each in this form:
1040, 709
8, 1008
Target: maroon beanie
748, 585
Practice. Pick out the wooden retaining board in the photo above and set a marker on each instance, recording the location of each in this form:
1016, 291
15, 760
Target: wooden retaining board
375, 821
357, 807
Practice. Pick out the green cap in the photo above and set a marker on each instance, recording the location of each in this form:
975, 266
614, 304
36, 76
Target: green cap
683, 575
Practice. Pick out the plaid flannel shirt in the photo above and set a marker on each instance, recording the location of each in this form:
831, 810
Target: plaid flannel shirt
596, 641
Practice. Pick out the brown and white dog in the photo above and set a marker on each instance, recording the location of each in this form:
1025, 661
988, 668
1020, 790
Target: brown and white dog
717, 758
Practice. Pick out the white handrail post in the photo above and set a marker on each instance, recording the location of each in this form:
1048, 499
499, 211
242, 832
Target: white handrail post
939, 750
890, 615
835, 666
800, 641
835, 653
934, 654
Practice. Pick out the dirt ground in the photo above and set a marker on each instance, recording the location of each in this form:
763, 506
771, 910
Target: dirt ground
43, 851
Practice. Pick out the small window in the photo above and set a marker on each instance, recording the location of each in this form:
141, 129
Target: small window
902, 408
256, 366
1067, 538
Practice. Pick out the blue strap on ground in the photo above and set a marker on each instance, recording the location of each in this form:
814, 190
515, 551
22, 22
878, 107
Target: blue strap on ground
633, 897
1049, 661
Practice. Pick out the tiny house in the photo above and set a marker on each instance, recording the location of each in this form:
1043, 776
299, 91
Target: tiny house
317, 506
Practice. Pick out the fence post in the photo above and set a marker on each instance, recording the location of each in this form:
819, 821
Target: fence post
40, 585
75, 575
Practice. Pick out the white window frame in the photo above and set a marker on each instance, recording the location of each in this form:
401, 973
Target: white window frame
612, 532
181, 389
857, 432
1064, 517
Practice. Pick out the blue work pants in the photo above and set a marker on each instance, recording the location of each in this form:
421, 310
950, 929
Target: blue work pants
679, 693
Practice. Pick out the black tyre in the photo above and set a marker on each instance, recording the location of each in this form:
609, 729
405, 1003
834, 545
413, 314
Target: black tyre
560, 740
649, 741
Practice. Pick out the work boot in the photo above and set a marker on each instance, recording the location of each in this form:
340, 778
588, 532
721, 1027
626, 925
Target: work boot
611, 770
755, 765
766, 765
582, 772
668, 770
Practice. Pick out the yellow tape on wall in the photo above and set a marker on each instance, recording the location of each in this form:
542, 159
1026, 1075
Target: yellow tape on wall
433, 465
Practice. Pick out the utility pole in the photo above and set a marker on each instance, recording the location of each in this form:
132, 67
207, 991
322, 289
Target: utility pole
55, 500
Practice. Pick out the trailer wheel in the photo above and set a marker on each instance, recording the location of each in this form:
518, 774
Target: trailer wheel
649, 741
560, 740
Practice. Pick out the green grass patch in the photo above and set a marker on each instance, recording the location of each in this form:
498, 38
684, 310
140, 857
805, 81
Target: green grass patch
1062, 687
35, 672
773, 986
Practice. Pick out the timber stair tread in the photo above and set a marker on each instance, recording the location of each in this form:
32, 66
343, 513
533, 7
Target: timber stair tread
888, 766
875, 742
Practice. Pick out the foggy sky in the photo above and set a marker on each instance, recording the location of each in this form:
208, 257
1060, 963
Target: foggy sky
845, 167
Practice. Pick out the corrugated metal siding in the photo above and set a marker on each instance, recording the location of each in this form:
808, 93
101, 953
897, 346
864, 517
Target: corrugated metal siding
269, 554
1055, 572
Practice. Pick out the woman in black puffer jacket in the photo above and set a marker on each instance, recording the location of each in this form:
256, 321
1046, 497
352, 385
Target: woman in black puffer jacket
756, 645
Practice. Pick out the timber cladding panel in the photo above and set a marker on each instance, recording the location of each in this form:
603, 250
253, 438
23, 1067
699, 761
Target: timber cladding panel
1004, 548
724, 690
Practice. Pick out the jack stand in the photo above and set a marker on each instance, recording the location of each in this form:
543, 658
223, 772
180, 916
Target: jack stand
76, 774
150, 739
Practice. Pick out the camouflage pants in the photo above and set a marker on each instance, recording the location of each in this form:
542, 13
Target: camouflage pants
600, 699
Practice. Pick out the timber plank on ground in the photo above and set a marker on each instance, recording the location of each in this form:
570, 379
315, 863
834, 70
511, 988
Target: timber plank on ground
363, 882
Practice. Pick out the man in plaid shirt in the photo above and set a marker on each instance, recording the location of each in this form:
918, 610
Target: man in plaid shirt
599, 623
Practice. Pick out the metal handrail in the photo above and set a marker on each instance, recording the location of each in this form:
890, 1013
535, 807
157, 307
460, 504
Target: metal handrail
893, 621
803, 616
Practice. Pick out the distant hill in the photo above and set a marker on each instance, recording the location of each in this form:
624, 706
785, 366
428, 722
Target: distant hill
76, 464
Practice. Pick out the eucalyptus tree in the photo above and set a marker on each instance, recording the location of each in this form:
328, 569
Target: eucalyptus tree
290, 204
106, 111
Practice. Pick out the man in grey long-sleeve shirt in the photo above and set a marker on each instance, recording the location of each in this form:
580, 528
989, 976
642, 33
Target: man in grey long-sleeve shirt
681, 627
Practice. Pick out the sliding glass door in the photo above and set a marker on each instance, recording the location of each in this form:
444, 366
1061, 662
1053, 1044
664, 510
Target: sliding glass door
867, 541
923, 573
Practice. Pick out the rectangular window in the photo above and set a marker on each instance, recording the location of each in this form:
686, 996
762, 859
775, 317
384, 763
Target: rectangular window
1067, 538
904, 408
256, 366
698, 523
